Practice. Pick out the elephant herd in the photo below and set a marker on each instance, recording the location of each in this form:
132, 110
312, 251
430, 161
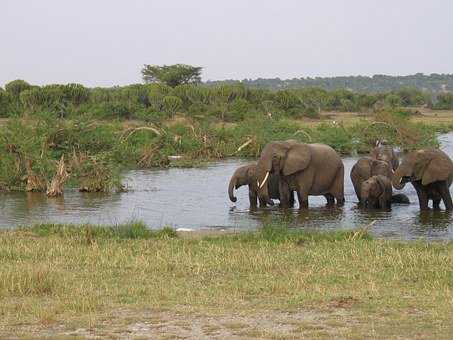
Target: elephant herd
286, 168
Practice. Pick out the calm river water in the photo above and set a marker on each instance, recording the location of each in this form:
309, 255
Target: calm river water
197, 198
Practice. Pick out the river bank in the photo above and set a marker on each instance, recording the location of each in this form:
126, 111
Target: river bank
177, 197
45, 153
275, 283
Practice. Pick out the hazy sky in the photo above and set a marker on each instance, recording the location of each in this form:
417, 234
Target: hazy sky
106, 42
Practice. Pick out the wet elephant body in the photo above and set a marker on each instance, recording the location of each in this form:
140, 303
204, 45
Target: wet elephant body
308, 169
365, 168
376, 193
387, 154
246, 175
431, 173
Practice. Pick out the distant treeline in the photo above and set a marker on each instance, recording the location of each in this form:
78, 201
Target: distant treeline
378, 83
225, 102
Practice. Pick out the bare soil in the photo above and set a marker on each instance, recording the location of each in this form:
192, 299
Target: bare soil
165, 325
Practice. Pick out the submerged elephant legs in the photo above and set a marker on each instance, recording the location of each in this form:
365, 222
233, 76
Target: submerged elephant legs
437, 192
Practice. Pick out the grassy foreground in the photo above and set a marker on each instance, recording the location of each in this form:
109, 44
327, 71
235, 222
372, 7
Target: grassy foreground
274, 283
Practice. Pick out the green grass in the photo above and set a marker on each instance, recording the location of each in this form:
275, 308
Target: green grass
132, 230
96, 151
79, 276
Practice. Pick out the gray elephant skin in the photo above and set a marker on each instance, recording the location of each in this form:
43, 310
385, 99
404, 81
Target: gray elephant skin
431, 172
376, 193
365, 168
387, 154
246, 175
308, 169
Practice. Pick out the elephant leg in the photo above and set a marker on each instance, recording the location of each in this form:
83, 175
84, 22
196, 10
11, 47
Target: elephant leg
436, 203
253, 199
445, 194
422, 196
330, 199
337, 189
340, 200
384, 204
356, 185
291, 199
303, 199
285, 193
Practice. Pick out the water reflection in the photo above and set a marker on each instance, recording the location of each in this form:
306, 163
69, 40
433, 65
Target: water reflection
197, 198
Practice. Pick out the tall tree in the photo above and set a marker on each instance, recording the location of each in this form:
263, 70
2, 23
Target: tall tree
172, 75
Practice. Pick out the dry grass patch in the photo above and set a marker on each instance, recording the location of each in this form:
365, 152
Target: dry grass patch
52, 278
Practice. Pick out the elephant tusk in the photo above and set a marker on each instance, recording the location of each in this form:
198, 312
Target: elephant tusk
264, 180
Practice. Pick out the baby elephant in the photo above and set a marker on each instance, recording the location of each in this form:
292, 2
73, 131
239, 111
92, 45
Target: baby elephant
366, 167
376, 193
246, 175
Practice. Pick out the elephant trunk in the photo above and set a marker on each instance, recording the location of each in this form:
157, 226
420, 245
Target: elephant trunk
397, 182
363, 198
231, 186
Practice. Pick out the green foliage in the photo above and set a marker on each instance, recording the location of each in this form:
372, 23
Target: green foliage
378, 83
411, 96
225, 102
5, 100
171, 104
88, 232
15, 87
172, 75
156, 95
213, 122
287, 100
444, 101
23, 150
393, 100
278, 233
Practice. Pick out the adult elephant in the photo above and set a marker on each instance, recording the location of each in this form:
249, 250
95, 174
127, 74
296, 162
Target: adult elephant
387, 154
431, 172
365, 168
308, 169
246, 175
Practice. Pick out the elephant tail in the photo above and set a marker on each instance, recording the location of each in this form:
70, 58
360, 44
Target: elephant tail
231, 189
400, 199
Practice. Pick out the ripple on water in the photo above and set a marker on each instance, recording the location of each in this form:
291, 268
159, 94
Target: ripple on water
197, 199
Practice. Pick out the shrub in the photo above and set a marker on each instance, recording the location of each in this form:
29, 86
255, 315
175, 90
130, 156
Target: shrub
444, 101
4, 103
15, 87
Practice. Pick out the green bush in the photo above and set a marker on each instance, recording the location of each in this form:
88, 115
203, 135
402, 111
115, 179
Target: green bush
15, 87
5, 100
444, 101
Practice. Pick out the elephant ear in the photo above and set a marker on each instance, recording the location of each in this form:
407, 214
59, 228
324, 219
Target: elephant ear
364, 166
297, 159
439, 169
251, 173
422, 160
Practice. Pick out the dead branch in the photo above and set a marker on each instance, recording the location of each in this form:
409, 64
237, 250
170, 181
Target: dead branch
243, 146
381, 123
361, 231
56, 186
304, 133
129, 132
